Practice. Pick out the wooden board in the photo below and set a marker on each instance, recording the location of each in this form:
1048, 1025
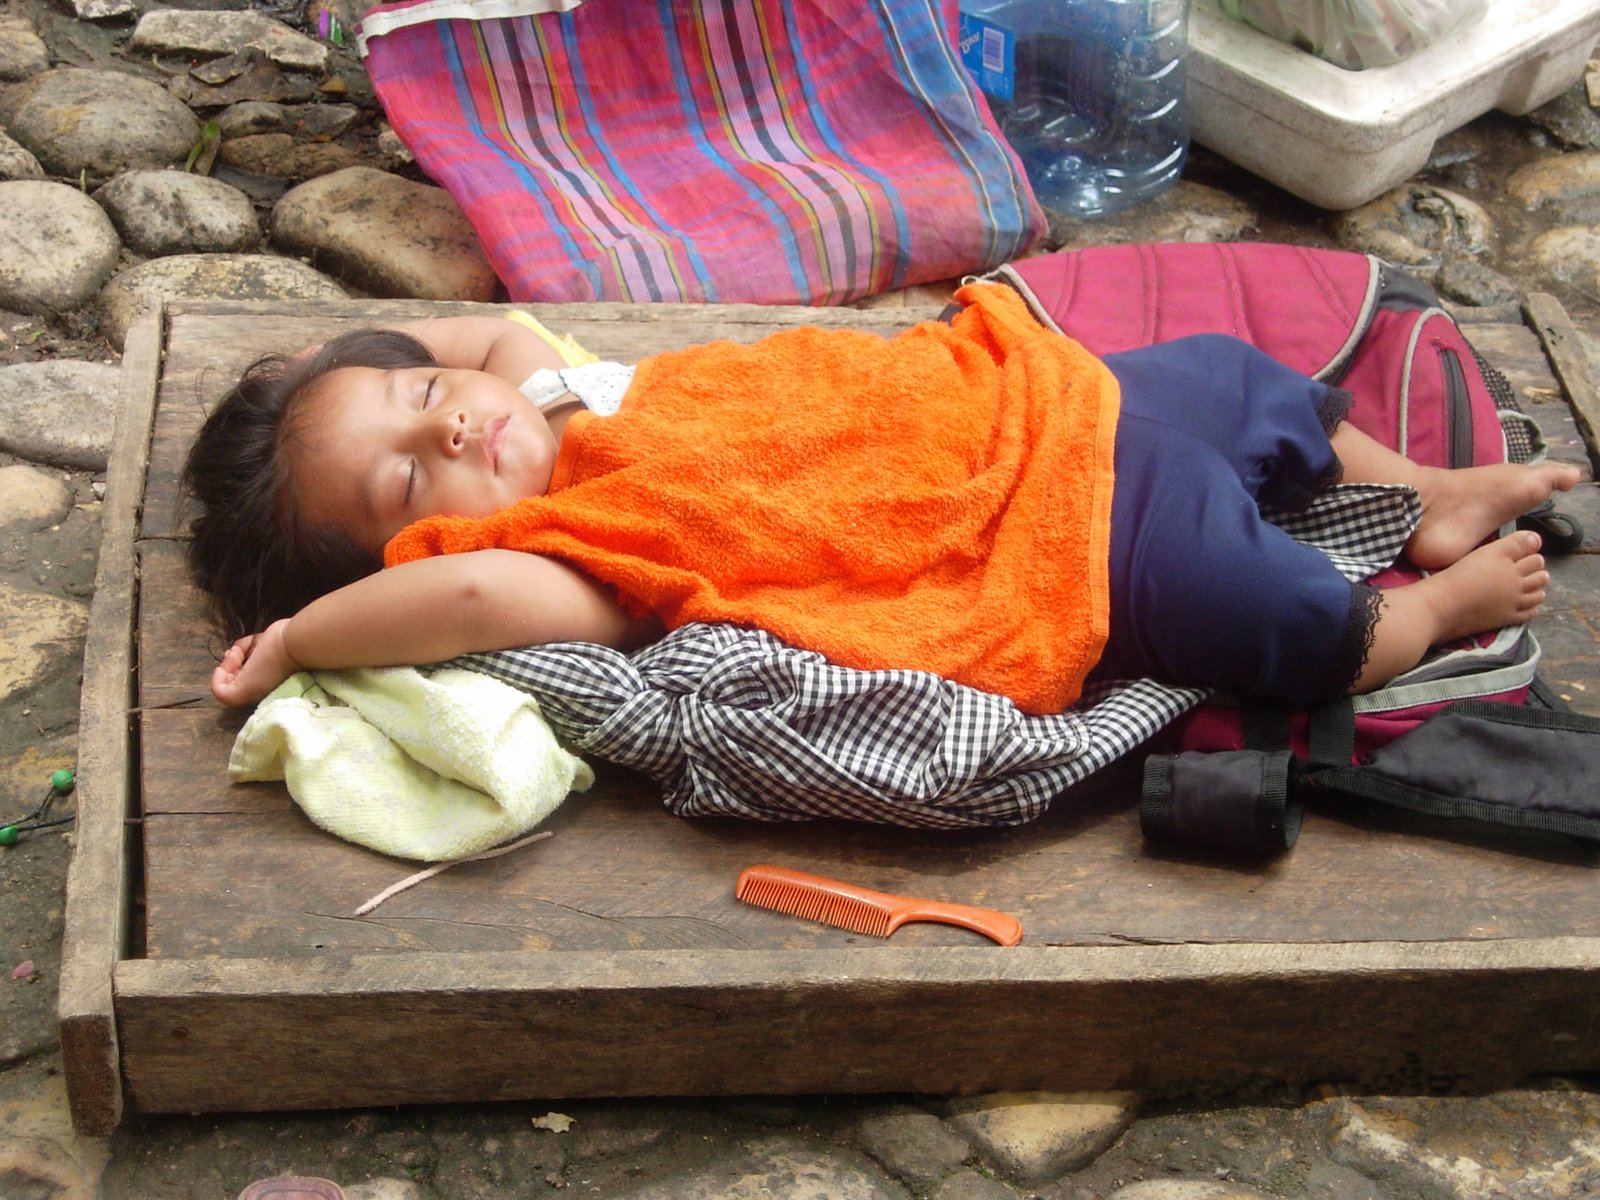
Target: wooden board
612, 959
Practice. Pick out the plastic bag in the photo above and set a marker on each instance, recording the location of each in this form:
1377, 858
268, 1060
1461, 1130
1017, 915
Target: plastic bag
1356, 34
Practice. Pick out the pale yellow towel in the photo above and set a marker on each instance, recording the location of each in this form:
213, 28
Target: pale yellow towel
427, 765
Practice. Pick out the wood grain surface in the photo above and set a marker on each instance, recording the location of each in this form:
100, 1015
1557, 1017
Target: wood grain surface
612, 958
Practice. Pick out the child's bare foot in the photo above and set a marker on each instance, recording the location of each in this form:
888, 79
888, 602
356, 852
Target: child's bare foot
1462, 507
1502, 583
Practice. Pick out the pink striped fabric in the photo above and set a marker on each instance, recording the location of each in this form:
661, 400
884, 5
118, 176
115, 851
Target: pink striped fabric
765, 151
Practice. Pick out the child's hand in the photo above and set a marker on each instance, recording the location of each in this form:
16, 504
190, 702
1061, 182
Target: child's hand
253, 666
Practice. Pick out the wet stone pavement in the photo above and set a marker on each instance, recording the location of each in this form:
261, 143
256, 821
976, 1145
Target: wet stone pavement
297, 188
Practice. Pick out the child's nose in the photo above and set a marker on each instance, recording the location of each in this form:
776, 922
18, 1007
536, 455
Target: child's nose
451, 432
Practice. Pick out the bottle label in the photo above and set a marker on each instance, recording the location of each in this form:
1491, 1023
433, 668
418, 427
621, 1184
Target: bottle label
988, 52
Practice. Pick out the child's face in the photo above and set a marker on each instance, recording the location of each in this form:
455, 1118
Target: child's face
375, 450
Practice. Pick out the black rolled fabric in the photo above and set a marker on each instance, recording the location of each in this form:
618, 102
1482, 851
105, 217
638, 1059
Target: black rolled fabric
1230, 800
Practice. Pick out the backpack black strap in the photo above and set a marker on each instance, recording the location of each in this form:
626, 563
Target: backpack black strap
1332, 734
1516, 766
1527, 767
1559, 532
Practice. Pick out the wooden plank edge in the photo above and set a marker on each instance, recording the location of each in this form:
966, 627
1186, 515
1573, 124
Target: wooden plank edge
1570, 362
94, 936
558, 315
357, 1031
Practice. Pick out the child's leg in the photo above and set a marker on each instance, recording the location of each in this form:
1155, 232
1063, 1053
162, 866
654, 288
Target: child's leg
1502, 583
1205, 592
1269, 423
1460, 508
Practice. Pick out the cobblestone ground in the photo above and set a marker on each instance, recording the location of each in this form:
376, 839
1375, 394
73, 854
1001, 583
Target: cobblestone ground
88, 228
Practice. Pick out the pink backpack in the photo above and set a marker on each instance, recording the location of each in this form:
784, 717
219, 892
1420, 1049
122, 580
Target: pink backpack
1348, 319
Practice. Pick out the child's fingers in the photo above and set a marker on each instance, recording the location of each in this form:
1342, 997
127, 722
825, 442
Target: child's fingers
225, 677
235, 655
224, 685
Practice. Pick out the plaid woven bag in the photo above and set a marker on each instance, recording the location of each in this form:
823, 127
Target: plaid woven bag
752, 151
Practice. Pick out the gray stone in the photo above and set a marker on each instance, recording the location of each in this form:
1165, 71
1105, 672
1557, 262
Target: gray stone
60, 560
1278, 1150
207, 277
98, 122
1453, 1148
1569, 119
61, 412
102, 10
283, 155
770, 1168
172, 31
15, 327
173, 212
1064, 1189
1037, 1136
1570, 253
30, 499
1416, 225
1187, 1189
322, 120
247, 75
57, 246
1458, 172
913, 1145
387, 235
384, 1188
392, 150
972, 1185
82, 44
313, 121
17, 161
252, 116
1563, 179
1468, 281
22, 54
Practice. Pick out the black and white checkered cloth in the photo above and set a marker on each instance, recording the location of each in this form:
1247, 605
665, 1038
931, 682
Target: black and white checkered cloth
733, 722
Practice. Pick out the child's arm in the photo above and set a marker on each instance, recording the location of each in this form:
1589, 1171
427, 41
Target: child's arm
429, 611
493, 344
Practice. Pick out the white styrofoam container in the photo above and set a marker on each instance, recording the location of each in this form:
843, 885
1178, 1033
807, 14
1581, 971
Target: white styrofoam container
1339, 138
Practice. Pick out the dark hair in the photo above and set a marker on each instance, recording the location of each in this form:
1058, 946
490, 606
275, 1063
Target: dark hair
250, 548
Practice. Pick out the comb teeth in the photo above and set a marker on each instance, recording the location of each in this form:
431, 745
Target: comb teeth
814, 904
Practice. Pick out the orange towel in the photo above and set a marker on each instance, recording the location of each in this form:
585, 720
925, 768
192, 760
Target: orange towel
938, 500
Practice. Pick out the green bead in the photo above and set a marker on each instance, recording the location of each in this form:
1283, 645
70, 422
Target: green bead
8, 835
62, 780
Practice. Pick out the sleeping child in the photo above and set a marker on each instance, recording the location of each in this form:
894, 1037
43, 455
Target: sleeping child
982, 499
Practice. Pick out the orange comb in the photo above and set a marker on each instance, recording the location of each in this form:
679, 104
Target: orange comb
863, 910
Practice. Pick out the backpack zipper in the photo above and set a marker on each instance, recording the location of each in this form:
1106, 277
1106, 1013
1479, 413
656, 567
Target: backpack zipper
1458, 408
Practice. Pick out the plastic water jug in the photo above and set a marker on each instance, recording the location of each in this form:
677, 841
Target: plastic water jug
1092, 94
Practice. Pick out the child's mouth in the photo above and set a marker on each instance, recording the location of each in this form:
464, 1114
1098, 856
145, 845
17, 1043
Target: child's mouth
495, 434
